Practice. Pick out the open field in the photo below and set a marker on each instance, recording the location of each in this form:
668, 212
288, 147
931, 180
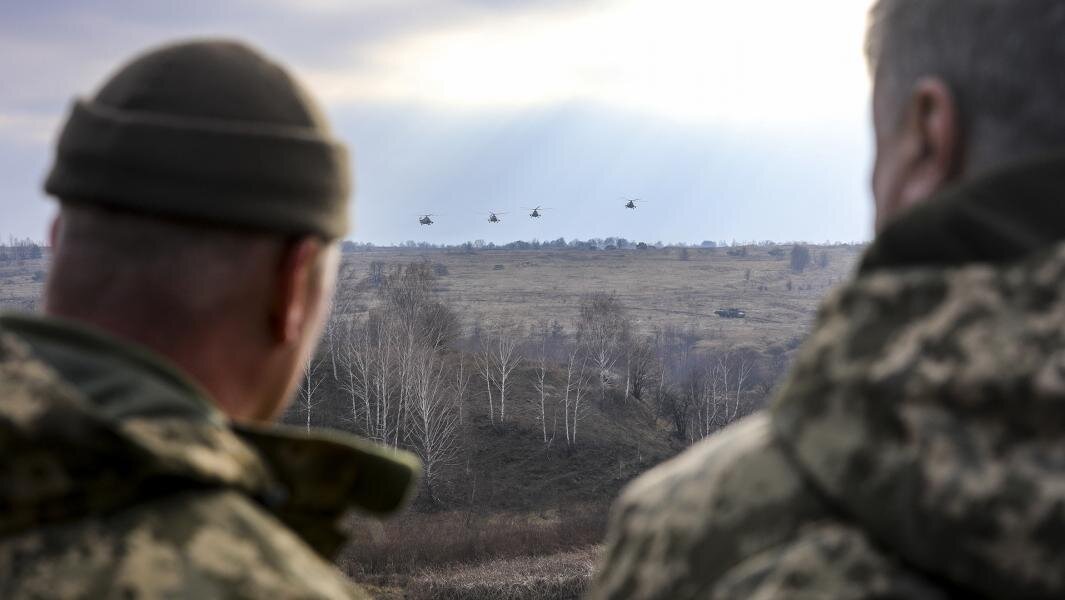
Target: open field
533, 286
656, 286
21, 283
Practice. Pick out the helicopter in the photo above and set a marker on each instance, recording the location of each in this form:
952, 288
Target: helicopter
425, 220
536, 211
493, 218
631, 203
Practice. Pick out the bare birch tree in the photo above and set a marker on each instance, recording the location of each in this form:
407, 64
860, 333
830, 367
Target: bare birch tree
499, 358
507, 359
541, 383
486, 368
743, 364
602, 330
576, 384
433, 417
307, 397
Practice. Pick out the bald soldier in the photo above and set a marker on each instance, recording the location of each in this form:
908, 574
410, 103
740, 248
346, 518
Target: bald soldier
917, 449
201, 197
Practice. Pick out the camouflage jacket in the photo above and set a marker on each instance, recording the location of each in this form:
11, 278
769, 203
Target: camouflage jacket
917, 449
119, 479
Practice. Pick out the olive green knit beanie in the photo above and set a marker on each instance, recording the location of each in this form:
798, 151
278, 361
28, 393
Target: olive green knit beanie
208, 131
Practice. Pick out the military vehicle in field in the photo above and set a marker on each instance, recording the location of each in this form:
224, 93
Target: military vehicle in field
731, 313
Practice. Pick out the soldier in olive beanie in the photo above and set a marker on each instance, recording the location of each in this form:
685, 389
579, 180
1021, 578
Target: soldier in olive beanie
194, 260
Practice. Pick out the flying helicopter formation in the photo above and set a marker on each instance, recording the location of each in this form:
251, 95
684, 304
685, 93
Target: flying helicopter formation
535, 212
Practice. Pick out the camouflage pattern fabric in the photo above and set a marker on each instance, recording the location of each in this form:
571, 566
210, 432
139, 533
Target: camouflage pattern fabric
917, 449
931, 407
101, 500
732, 518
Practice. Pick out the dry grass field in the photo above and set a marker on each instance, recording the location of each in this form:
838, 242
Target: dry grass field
21, 283
524, 288
657, 287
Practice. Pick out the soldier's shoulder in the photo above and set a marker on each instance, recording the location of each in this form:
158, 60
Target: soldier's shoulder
827, 559
202, 544
679, 527
22, 376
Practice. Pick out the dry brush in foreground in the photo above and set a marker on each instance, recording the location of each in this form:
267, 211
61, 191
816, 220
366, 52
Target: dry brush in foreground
562, 576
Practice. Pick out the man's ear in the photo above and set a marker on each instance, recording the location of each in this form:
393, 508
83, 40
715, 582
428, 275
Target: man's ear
295, 292
932, 124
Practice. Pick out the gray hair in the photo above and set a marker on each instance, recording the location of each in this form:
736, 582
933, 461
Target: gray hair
1004, 61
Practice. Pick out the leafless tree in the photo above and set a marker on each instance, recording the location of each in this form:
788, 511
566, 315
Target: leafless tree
433, 418
461, 384
742, 364
332, 332
377, 273
602, 329
639, 361
486, 368
506, 358
541, 382
713, 400
307, 397
499, 358
576, 386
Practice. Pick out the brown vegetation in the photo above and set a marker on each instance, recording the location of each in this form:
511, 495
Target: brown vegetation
562, 576
408, 545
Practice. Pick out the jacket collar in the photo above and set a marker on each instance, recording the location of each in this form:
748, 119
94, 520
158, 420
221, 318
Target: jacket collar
153, 424
999, 217
120, 379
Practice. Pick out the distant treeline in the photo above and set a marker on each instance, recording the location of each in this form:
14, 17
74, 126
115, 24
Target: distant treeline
607, 243
24, 249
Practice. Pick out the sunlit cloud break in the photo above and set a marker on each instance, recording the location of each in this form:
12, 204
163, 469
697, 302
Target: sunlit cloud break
706, 61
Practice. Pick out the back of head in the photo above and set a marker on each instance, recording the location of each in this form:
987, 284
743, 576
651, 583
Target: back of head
185, 183
1002, 59
160, 281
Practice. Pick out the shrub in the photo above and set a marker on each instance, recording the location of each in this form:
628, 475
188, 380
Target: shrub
800, 258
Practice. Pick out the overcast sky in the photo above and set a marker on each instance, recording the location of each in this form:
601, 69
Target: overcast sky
734, 120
